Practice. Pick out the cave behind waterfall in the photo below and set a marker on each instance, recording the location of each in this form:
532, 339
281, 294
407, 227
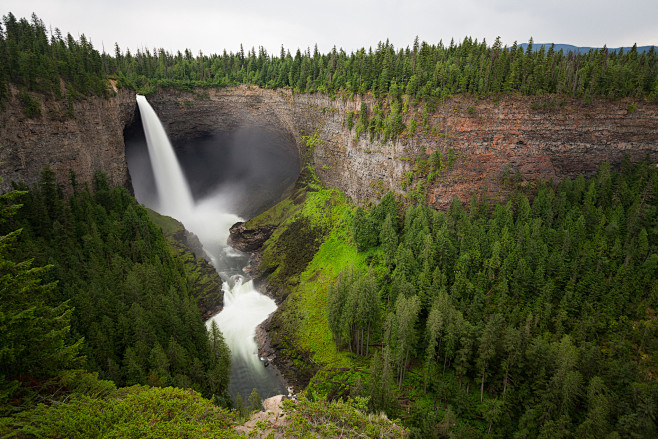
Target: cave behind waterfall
250, 166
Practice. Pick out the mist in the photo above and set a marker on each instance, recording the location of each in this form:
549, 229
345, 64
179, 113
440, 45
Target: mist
248, 169
230, 173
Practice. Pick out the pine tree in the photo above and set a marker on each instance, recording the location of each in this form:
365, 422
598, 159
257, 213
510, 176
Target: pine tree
389, 241
255, 401
34, 334
239, 406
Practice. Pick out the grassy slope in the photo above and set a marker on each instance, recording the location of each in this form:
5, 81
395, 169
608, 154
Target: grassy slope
313, 220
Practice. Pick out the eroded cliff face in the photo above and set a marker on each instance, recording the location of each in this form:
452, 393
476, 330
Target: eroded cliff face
89, 142
487, 139
538, 137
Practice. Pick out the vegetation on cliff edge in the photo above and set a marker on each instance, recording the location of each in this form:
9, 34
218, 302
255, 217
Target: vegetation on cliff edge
37, 60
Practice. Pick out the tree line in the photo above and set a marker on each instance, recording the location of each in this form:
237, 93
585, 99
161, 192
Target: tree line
37, 59
44, 61
533, 318
424, 71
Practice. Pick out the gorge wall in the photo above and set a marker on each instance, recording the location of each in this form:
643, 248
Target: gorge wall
90, 141
539, 138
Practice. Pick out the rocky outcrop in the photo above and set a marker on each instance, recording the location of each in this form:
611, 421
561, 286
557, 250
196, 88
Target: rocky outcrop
90, 141
248, 240
268, 423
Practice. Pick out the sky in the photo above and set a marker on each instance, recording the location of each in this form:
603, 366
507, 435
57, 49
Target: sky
212, 26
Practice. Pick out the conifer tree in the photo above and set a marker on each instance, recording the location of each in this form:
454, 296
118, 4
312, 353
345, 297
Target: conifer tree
255, 401
34, 334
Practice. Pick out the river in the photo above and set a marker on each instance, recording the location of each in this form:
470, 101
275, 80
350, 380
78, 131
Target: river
244, 307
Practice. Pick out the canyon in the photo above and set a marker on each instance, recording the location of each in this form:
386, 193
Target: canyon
533, 138
92, 140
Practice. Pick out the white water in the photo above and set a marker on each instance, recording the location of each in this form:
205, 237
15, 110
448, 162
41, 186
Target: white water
244, 307
173, 191
241, 326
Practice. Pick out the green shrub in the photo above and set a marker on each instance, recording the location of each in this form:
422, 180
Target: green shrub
31, 106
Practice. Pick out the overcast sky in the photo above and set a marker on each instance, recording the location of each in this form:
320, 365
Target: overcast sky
215, 25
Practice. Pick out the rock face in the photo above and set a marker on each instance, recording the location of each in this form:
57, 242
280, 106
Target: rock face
535, 138
488, 137
89, 142
248, 240
541, 138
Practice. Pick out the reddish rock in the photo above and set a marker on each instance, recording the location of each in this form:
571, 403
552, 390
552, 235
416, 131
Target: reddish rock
540, 137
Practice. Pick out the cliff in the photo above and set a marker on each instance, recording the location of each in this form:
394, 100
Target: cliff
90, 141
532, 138
537, 138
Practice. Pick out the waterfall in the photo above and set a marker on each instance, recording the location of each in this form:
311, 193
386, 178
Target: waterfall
244, 307
239, 324
173, 191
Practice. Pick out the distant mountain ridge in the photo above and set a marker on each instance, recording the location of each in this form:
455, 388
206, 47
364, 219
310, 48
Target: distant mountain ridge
578, 49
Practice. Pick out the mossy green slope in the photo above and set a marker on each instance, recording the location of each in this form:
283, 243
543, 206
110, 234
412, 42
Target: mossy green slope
309, 248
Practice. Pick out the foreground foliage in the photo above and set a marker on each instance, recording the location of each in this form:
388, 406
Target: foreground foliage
317, 417
131, 304
137, 411
34, 335
96, 409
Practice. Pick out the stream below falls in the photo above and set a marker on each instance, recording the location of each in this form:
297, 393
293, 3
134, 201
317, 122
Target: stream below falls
210, 219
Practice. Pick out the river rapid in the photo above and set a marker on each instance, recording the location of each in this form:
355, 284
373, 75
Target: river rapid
210, 219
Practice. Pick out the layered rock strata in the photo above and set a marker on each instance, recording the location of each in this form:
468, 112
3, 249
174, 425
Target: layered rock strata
90, 141
534, 138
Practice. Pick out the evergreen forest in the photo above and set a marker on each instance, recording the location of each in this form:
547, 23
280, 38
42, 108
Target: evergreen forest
535, 317
109, 296
529, 318
37, 59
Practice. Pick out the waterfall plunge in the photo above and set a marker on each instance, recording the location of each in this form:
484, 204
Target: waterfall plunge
174, 193
244, 307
